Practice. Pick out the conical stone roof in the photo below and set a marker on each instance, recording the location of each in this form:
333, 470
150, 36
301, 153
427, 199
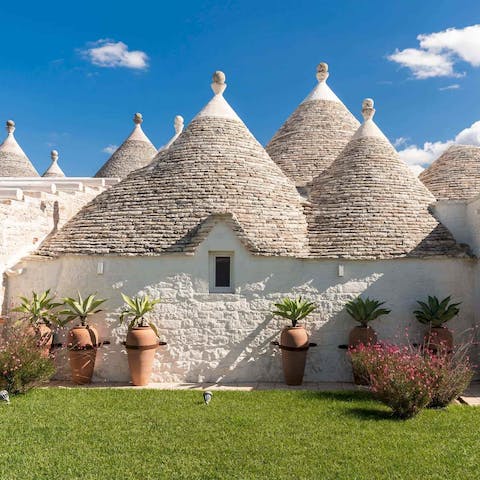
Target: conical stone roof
54, 170
369, 205
314, 134
134, 153
455, 175
13, 161
215, 171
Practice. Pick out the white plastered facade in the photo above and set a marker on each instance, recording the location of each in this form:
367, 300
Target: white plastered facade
227, 337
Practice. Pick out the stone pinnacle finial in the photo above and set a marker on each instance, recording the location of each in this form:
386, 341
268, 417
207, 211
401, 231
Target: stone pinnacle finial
367, 109
138, 119
218, 84
10, 126
178, 124
322, 71
54, 155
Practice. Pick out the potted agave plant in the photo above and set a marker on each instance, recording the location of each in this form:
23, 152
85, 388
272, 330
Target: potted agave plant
82, 338
294, 340
39, 311
435, 314
364, 311
142, 337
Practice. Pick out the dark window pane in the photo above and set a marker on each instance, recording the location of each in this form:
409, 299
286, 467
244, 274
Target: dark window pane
222, 271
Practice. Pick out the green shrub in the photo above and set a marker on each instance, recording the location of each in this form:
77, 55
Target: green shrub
295, 309
435, 312
364, 311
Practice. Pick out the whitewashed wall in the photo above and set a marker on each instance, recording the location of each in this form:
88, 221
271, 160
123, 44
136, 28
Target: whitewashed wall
226, 337
25, 223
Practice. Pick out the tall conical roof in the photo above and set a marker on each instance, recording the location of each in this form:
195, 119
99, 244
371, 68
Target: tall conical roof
54, 170
455, 175
13, 161
314, 134
216, 171
134, 153
368, 204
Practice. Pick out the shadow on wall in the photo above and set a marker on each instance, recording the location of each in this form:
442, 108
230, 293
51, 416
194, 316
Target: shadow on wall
227, 337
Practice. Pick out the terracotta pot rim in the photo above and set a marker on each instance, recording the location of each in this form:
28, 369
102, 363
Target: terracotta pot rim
141, 327
290, 327
80, 326
363, 326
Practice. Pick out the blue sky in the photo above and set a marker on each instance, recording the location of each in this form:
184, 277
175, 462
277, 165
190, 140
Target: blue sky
79, 103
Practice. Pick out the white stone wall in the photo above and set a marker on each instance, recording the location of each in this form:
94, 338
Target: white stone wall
226, 337
25, 223
454, 215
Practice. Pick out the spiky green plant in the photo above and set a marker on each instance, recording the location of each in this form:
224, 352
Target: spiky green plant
40, 308
80, 308
136, 309
435, 312
364, 311
294, 309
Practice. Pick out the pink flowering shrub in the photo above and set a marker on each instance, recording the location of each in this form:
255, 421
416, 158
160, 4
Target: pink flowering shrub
398, 376
408, 378
22, 365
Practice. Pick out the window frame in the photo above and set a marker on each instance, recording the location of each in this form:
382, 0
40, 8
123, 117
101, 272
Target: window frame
212, 272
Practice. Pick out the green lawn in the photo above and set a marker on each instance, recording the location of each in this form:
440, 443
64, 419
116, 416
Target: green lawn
150, 434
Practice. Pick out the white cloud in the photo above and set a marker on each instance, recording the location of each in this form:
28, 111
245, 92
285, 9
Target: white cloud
108, 53
454, 86
440, 51
398, 142
423, 64
110, 149
419, 158
463, 42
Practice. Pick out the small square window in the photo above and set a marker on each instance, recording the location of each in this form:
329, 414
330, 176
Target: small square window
221, 272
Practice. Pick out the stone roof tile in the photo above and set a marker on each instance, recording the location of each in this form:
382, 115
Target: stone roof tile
13, 161
215, 171
455, 175
314, 134
369, 205
134, 153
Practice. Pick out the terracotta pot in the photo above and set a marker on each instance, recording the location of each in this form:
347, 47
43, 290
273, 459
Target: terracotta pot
362, 335
82, 345
294, 345
45, 334
141, 344
439, 338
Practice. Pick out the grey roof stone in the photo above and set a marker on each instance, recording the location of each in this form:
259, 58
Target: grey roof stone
13, 161
215, 171
455, 175
369, 205
54, 169
314, 134
134, 153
